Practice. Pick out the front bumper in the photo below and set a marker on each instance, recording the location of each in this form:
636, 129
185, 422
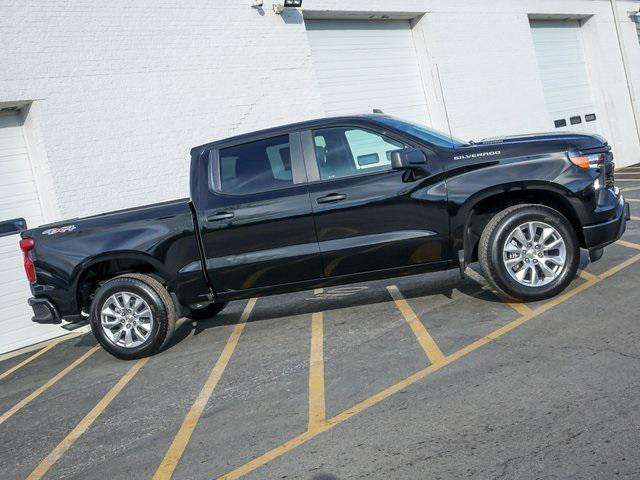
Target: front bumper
602, 234
44, 311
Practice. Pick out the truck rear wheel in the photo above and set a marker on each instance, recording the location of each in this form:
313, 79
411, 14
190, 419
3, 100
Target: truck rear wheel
132, 316
529, 252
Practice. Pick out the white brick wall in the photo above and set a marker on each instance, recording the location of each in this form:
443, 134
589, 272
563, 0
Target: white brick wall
123, 89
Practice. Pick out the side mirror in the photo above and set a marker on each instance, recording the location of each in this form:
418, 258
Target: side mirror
12, 227
409, 157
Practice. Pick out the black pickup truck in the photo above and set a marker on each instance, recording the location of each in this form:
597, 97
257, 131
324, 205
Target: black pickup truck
329, 202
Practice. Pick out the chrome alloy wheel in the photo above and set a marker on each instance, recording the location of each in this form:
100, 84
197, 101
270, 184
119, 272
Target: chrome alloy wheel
126, 320
534, 254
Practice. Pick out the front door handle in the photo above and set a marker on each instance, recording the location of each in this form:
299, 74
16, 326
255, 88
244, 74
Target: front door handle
216, 217
333, 197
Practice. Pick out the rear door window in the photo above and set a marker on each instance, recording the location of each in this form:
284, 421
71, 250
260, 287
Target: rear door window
255, 167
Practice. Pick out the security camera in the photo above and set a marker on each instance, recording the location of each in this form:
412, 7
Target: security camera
279, 8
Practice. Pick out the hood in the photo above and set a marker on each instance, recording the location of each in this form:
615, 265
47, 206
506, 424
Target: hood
566, 140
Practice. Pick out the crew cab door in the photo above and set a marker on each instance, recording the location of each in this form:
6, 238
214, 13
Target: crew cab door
369, 216
255, 215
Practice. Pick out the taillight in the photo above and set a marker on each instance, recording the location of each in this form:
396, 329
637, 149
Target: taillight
26, 245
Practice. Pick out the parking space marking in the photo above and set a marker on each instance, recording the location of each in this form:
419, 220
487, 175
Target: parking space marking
617, 268
634, 218
425, 340
317, 413
624, 243
520, 308
27, 360
82, 426
181, 440
9, 413
419, 375
629, 189
632, 199
586, 275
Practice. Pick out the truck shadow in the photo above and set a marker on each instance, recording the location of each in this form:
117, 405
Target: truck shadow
308, 302
335, 298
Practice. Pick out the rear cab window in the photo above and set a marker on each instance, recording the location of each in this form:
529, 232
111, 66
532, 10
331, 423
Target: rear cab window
253, 167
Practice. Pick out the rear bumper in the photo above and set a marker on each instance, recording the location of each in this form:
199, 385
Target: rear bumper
602, 234
44, 311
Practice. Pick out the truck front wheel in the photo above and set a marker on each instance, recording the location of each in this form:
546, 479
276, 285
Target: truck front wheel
529, 252
132, 316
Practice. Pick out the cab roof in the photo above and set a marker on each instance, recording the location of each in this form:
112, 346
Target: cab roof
371, 117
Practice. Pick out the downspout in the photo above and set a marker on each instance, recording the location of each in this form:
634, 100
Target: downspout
627, 74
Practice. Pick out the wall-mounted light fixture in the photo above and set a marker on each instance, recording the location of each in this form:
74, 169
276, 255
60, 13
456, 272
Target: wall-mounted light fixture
256, 3
279, 8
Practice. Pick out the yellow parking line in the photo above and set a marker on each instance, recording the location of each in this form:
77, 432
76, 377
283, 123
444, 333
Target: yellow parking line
316, 374
586, 275
181, 440
627, 244
617, 268
46, 464
9, 413
28, 360
425, 340
521, 308
419, 375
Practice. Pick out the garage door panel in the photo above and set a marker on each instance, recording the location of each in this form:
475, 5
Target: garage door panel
362, 65
18, 198
29, 212
22, 178
6, 152
371, 63
13, 165
21, 188
563, 71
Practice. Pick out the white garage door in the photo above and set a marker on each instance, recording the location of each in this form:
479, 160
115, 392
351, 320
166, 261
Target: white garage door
362, 65
564, 73
18, 198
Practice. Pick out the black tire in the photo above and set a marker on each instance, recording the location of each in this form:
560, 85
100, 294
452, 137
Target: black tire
496, 233
209, 311
157, 298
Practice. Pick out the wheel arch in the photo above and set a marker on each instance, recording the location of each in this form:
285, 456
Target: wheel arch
99, 269
476, 212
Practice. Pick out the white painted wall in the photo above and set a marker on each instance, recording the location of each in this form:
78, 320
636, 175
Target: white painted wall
485, 54
123, 89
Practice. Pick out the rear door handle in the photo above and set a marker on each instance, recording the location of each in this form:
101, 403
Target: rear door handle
216, 217
333, 197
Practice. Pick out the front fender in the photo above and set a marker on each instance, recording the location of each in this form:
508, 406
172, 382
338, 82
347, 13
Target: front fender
548, 179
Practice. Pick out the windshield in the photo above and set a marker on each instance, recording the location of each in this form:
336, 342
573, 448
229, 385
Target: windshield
422, 132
